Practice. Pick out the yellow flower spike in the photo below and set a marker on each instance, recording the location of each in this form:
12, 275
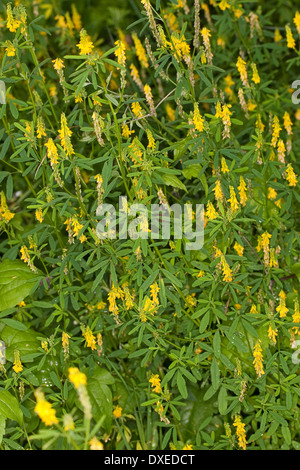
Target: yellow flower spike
155, 383
255, 76
234, 204
211, 212
10, 49
44, 409
239, 249
272, 333
95, 444
140, 51
197, 119
291, 43
90, 339
12, 24
117, 412
76, 377
64, 135
85, 45
241, 66
120, 53
291, 175
17, 366
258, 359
240, 432
218, 191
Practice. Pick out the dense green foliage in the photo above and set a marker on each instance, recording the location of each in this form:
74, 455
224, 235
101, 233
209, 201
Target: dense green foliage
144, 344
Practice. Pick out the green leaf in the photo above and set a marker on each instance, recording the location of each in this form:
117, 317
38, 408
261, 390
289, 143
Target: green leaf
215, 374
181, 385
172, 180
2, 427
16, 283
101, 396
9, 407
222, 401
25, 341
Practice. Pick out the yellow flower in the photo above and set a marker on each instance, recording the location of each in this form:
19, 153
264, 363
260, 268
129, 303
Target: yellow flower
137, 109
272, 194
25, 254
242, 191
255, 76
291, 175
240, 432
95, 444
276, 131
64, 135
17, 366
155, 383
76, 377
10, 49
115, 293
297, 21
5, 213
241, 66
44, 409
224, 166
85, 45
65, 342
277, 35
140, 51
205, 33
58, 64
90, 339
223, 5
126, 132
227, 273
296, 317
188, 447
291, 43
258, 359
68, 423
233, 200
287, 123
154, 289
282, 309
76, 18
253, 309
272, 333
117, 412
239, 249
12, 24
151, 140
120, 53
190, 300
197, 119
281, 151
149, 98
170, 112
39, 215
52, 152
218, 191
210, 212
40, 128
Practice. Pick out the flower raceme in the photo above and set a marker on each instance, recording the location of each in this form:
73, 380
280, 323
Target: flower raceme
44, 409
